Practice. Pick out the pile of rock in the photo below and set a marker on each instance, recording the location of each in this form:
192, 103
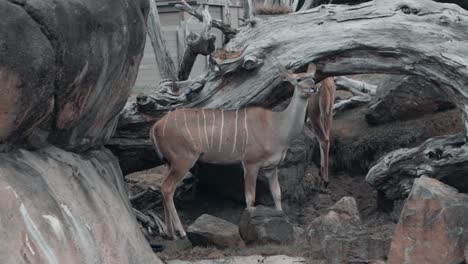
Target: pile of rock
342, 237
259, 226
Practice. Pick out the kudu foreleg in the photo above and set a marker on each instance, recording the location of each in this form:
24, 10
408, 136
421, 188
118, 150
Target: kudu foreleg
177, 171
250, 183
275, 188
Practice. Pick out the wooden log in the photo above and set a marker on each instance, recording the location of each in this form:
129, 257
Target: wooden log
349, 47
443, 158
227, 30
163, 59
354, 86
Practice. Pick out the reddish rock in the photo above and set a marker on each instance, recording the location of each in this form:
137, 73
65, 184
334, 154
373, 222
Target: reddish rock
209, 230
432, 226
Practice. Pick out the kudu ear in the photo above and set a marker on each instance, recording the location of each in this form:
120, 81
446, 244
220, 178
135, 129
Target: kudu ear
290, 77
312, 69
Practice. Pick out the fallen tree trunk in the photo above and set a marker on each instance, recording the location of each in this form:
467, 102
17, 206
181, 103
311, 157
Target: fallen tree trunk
443, 158
340, 40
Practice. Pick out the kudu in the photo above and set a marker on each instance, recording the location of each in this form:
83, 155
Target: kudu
320, 115
253, 136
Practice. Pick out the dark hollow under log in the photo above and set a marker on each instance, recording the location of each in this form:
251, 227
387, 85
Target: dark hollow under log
404, 98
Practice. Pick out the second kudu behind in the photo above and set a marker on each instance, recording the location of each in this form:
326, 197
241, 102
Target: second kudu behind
253, 136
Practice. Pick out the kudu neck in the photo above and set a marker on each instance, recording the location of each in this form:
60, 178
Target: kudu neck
290, 122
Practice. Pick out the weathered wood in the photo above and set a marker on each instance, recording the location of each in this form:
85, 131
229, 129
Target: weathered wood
349, 47
354, 50
163, 58
443, 158
227, 30
363, 93
350, 103
354, 86
202, 43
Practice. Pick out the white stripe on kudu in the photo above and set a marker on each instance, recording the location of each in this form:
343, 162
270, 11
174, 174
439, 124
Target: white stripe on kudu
186, 126
222, 128
235, 132
212, 128
246, 130
165, 123
206, 133
199, 131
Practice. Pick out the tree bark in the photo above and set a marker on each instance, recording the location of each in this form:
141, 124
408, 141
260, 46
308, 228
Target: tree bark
409, 42
164, 61
197, 44
443, 158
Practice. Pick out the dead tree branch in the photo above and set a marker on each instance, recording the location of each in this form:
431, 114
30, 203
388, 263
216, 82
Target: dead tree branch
197, 44
163, 59
227, 30
354, 86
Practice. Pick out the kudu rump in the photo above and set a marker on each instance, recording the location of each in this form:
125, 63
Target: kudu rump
254, 136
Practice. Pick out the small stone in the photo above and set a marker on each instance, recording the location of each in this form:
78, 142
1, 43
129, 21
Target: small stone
209, 230
264, 225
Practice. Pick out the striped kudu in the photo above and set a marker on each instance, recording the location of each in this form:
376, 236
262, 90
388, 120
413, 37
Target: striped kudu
320, 118
254, 136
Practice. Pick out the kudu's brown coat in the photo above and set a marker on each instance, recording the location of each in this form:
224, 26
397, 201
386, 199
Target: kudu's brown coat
253, 136
320, 113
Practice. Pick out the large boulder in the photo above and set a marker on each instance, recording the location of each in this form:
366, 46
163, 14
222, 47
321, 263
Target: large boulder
67, 70
264, 225
60, 207
342, 238
406, 97
208, 230
432, 226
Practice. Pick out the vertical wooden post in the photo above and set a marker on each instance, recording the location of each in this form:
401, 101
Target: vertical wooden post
166, 66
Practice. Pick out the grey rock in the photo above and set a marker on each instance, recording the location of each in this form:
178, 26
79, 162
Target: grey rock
342, 237
208, 230
263, 225
66, 69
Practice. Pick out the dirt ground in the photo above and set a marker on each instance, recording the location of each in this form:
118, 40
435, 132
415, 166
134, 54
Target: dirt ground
299, 213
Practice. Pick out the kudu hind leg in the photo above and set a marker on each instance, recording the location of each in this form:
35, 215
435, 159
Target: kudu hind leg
177, 171
324, 152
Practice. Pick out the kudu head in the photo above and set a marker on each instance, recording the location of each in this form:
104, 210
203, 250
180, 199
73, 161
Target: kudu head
303, 82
